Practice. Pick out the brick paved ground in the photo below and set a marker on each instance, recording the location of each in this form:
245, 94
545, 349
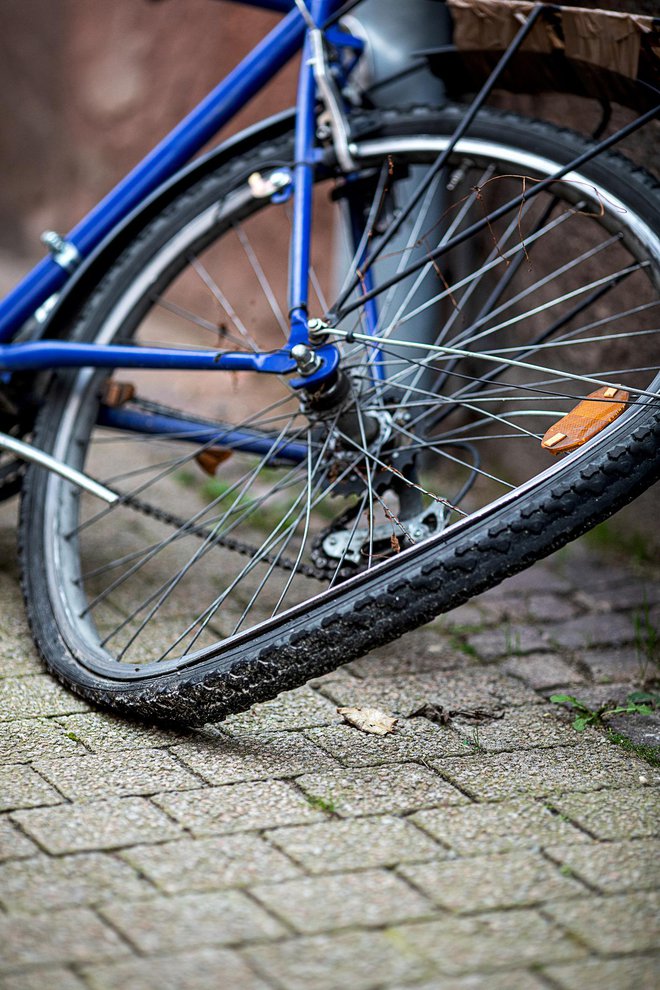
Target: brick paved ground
283, 849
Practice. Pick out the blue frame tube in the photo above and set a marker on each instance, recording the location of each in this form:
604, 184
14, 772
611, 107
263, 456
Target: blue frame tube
44, 354
303, 175
170, 427
187, 138
302, 188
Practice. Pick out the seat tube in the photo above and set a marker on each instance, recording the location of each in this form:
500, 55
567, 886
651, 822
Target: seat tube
305, 146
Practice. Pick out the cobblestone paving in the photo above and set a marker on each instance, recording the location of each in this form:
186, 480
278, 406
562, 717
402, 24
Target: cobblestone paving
284, 850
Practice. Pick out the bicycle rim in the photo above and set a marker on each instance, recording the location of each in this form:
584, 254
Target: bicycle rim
540, 308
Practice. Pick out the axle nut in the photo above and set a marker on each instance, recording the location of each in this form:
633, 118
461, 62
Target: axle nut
306, 360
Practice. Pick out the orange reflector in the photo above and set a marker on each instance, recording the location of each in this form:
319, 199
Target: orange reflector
209, 459
589, 417
116, 393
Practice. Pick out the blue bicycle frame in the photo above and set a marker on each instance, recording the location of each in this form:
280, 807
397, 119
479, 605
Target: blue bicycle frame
216, 110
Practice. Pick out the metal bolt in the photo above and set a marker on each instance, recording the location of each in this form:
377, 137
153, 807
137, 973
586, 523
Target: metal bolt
306, 360
53, 241
63, 252
316, 329
280, 179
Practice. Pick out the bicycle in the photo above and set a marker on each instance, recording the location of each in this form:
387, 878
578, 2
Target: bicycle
195, 539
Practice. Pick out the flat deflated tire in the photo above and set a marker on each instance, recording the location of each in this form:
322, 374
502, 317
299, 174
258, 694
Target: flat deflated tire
259, 540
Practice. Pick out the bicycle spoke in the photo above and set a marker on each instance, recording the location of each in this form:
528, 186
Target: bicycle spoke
229, 310
263, 281
605, 281
197, 321
168, 587
501, 301
501, 259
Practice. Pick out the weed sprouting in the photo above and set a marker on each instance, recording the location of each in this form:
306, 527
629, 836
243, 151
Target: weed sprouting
473, 741
460, 644
321, 804
592, 716
647, 642
512, 641
649, 753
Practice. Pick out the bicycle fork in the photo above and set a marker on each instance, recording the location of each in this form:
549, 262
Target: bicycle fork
388, 34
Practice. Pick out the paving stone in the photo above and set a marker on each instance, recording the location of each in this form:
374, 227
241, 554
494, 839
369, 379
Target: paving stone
101, 732
29, 739
621, 814
211, 864
8, 518
13, 626
361, 960
107, 824
629, 973
620, 663
603, 573
42, 883
239, 807
425, 650
252, 756
53, 977
370, 898
354, 844
345, 671
542, 670
537, 579
379, 790
593, 630
457, 690
643, 730
75, 935
476, 829
482, 883
206, 969
120, 774
191, 920
499, 940
519, 728
502, 609
611, 925
550, 608
13, 844
299, 709
615, 867
22, 787
18, 657
593, 600
464, 617
10, 593
507, 641
535, 773
633, 594
415, 739
25, 697
520, 979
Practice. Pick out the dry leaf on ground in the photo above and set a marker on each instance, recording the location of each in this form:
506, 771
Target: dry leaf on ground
369, 720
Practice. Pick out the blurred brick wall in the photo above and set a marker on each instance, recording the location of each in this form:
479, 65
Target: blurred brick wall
89, 86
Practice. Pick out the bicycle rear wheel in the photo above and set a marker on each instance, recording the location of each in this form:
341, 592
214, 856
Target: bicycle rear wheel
262, 540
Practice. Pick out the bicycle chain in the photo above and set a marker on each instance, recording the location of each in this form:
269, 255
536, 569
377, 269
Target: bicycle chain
236, 546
